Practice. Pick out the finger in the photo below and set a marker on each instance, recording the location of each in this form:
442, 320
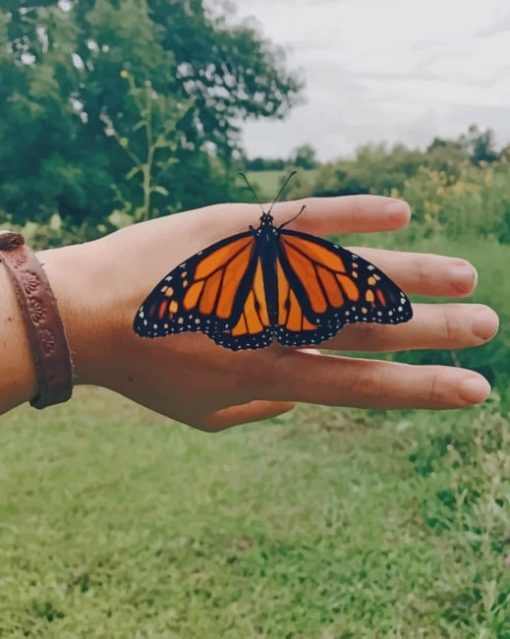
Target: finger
234, 415
342, 381
432, 326
323, 215
202, 227
423, 273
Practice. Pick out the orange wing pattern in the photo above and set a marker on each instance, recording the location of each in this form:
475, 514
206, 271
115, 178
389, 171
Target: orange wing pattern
270, 283
322, 287
206, 293
253, 328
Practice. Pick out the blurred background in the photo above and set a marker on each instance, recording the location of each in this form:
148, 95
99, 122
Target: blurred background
322, 523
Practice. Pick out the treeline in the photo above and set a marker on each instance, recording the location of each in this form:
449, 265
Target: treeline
454, 186
379, 168
303, 157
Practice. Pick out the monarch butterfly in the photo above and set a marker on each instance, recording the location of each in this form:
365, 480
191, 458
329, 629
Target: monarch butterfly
270, 283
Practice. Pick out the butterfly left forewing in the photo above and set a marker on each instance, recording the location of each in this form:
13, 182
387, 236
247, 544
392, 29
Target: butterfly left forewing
324, 286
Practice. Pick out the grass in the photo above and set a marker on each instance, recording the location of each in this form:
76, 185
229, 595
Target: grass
268, 182
323, 524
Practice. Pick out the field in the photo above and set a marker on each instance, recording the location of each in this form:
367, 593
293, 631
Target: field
322, 524
268, 182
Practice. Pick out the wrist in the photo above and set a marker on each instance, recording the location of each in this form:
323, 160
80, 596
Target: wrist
75, 274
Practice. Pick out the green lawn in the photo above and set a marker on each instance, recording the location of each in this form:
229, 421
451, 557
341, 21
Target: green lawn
268, 182
325, 524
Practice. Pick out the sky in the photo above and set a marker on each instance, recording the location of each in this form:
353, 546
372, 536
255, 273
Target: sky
385, 70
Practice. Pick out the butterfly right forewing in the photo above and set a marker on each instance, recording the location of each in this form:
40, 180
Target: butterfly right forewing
325, 286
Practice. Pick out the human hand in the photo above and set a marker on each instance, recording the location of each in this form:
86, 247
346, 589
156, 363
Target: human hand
100, 285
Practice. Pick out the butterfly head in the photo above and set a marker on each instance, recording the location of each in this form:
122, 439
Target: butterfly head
266, 219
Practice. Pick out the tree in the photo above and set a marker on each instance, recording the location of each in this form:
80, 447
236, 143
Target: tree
66, 108
448, 157
304, 157
481, 145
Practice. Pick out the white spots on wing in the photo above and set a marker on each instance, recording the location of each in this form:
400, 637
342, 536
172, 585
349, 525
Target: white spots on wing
370, 267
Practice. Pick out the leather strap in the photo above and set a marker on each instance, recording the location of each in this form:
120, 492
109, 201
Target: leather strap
45, 331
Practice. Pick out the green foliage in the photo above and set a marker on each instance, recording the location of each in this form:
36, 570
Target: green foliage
377, 168
260, 164
480, 145
69, 114
304, 157
152, 145
267, 183
323, 523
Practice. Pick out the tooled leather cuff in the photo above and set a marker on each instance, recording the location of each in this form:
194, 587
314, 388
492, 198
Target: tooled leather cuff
45, 331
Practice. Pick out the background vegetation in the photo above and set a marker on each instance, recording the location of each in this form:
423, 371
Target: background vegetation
324, 523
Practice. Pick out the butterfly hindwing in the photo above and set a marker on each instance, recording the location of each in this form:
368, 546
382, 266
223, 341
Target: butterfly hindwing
206, 293
323, 286
253, 327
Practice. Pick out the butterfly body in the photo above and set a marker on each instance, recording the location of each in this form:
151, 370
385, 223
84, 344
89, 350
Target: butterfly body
270, 284
266, 247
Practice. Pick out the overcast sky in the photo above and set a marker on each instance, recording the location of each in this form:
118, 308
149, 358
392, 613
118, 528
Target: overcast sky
394, 70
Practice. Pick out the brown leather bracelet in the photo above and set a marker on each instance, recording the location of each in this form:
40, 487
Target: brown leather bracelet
45, 331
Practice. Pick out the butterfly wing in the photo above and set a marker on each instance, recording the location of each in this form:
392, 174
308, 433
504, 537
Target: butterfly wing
252, 328
322, 287
217, 292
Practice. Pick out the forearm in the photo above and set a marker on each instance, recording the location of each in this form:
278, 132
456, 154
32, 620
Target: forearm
77, 279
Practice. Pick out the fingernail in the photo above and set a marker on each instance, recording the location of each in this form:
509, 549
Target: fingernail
463, 277
485, 323
398, 211
474, 389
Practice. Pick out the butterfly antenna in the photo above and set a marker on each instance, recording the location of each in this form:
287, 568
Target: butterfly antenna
282, 189
243, 175
293, 218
